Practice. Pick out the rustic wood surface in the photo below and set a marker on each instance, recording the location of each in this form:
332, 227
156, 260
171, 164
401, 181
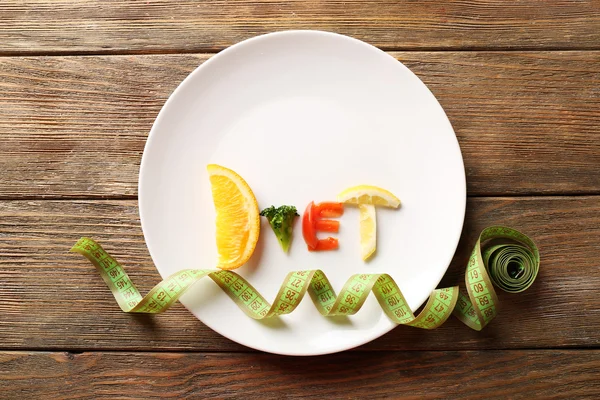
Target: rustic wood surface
38, 274
513, 374
105, 26
520, 82
527, 122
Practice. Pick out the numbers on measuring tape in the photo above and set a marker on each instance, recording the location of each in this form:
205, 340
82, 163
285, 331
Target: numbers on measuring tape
350, 299
400, 312
475, 309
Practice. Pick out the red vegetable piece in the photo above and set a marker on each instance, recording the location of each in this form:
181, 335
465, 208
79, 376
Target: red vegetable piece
327, 244
330, 209
312, 222
308, 227
327, 225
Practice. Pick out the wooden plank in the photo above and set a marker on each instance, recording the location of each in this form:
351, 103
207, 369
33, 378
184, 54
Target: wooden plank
528, 123
67, 26
416, 375
50, 299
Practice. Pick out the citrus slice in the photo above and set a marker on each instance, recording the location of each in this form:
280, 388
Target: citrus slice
368, 194
367, 197
238, 220
368, 230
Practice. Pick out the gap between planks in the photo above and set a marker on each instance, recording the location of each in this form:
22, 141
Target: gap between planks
213, 51
248, 350
499, 196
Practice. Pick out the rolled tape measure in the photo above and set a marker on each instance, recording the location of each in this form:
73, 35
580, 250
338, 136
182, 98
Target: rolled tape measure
502, 255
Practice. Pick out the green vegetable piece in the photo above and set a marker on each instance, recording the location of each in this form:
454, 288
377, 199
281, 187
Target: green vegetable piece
281, 220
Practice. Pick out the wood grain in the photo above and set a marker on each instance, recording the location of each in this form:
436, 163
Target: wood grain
50, 299
105, 26
415, 375
528, 123
520, 83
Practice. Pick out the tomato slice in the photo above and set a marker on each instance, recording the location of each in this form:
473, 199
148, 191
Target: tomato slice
327, 225
308, 227
330, 209
327, 244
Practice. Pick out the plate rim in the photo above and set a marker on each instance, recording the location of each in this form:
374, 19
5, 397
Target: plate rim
198, 70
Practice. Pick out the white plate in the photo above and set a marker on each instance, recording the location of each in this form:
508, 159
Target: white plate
302, 115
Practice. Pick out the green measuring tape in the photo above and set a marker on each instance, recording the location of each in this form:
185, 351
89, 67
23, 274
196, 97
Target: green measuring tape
502, 255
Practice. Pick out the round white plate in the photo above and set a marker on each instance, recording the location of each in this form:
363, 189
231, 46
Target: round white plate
302, 115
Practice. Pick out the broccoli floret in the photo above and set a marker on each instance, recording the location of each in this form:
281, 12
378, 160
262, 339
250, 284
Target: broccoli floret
281, 220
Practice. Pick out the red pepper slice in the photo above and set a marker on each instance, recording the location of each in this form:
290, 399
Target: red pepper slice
327, 244
308, 227
330, 209
327, 225
312, 222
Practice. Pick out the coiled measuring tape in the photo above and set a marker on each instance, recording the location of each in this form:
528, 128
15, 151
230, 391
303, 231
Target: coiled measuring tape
501, 255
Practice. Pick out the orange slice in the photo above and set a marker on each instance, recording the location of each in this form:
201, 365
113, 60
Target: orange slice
238, 220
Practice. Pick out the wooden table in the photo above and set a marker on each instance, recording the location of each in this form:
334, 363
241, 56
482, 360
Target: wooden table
81, 84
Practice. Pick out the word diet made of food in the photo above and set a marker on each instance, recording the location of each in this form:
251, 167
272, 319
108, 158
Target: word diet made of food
502, 256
